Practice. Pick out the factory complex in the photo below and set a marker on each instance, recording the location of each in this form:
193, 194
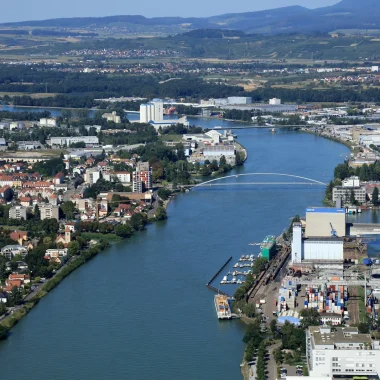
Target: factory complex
327, 263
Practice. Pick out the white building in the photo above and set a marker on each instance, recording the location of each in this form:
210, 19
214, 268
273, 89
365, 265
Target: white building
212, 153
341, 351
216, 136
368, 140
92, 175
275, 102
10, 251
344, 192
123, 177
331, 318
56, 252
67, 141
152, 112
239, 100
112, 117
48, 122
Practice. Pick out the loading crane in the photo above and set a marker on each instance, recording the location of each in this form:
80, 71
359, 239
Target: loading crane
333, 231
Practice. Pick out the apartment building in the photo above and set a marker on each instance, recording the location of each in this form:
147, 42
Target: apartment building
350, 185
92, 175
341, 351
142, 177
48, 211
17, 212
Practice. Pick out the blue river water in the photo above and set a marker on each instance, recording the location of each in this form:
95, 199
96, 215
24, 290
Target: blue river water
141, 310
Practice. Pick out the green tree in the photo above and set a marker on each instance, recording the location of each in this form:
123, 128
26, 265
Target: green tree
311, 317
249, 310
15, 297
124, 230
375, 196
3, 332
161, 213
68, 209
259, 265
363, 328
67, 114
352, 197
273, 326
73, 248
37, 214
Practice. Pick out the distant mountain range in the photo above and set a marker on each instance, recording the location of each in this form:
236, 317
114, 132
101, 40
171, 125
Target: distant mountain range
347, 14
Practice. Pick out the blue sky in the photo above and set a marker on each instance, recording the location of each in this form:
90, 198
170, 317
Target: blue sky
22, 10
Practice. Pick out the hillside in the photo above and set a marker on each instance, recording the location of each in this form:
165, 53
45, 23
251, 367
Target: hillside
347, 14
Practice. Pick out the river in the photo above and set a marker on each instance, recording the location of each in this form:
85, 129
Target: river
141, 310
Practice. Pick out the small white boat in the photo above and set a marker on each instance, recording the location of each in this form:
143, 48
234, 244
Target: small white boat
236, 265
233, 280
239, 281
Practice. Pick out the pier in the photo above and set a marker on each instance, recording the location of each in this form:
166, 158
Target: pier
218, 272
209, 284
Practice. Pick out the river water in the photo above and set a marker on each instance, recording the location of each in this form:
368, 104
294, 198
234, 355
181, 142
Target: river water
141, 310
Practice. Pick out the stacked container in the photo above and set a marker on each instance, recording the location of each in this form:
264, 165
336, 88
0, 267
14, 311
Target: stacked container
330, 300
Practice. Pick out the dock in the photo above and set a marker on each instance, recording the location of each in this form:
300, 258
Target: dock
209, 284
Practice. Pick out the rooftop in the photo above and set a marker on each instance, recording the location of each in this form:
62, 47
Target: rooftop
338, 335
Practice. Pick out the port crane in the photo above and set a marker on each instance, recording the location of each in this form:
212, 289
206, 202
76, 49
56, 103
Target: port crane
333, 231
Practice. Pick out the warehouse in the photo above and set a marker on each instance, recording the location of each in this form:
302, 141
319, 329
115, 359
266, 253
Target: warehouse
325, 222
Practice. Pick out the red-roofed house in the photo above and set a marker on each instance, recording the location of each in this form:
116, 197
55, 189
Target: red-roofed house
59, 178
19, 236
25, 201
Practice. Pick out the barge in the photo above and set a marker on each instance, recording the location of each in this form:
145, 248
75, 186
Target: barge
222, 307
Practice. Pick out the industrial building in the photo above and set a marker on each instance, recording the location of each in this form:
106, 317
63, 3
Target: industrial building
323, 240
152, 112
341, 351
212, 153
268, 248
48, 122
112, 117
239, 100
323, 221
67, 141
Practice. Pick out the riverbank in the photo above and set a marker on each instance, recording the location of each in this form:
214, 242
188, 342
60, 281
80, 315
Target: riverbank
32, 299
332, 138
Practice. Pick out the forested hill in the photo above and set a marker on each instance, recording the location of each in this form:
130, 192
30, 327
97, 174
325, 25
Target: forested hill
347, 14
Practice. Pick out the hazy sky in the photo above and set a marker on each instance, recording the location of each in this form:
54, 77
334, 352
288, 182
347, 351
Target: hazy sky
22, 10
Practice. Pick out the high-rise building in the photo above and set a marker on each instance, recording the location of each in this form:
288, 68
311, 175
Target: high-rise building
142, 177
